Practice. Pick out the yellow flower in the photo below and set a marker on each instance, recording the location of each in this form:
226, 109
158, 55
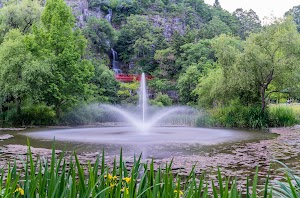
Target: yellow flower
125, 190
110, 177
20, 190
180, 192
127, 179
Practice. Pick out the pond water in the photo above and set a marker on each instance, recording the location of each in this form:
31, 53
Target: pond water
160, 142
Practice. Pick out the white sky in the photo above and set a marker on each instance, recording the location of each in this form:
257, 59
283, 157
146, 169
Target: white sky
263, 8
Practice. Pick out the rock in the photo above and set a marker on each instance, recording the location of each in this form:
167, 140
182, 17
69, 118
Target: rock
5, 137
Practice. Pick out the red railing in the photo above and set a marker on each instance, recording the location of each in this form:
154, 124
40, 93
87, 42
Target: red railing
131, 77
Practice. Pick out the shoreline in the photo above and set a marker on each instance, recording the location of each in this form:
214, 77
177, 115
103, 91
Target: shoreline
241, 161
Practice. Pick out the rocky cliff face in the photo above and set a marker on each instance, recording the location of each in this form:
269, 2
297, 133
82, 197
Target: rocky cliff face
169, 25
81, 11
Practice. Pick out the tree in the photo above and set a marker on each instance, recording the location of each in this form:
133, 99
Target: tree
295, 13
271, 58
249, 22
261, 65
214, 28
62, 46
186, 85
166, 61
100, 34
20, 73
19, 15
137, 42
195, 53
217, 4
105, 86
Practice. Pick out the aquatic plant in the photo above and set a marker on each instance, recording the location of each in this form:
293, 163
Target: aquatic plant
61, 177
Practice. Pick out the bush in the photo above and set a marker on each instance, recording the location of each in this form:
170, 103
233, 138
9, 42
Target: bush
161, 100
39, 114
237, 115
282, 116
31, 114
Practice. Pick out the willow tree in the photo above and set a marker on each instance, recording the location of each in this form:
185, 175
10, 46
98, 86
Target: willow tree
271, 57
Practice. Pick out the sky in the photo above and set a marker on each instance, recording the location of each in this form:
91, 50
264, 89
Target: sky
263, 8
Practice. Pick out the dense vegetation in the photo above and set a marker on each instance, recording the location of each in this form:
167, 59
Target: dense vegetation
200, 55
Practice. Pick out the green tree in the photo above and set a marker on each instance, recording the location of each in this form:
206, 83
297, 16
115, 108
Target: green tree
100, 34
214, 28
187, 83
105, 86
249, 22
295, 13
20, 73
271, 58
137, 42
62, 47
19, 15
166, 60
196, 53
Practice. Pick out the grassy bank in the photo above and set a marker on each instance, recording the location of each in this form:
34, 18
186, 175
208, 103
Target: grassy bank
239, 116
68, 178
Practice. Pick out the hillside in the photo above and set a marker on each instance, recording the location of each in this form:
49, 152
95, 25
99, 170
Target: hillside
57, 57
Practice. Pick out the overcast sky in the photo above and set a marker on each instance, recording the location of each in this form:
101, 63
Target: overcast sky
263, 8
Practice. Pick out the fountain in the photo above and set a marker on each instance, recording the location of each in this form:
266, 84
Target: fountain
143, 129
142, 122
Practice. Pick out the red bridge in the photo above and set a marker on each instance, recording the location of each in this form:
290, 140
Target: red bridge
131, 77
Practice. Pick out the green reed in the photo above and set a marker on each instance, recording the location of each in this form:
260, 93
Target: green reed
67, 177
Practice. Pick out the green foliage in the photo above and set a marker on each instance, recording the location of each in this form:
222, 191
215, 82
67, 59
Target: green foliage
161, 85
214, 28
100, 34
19, 15
295, 13
166, 60
289, 188
161, 100
187, 83
239, 116
128, 93
104, 85
200, 54
21, 75
282, 116
63, 47
137, 39
211, 88
67, 177
38, 114
248, 22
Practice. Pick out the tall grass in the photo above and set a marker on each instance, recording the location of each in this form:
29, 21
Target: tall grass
68, 178
282, 116
236, 115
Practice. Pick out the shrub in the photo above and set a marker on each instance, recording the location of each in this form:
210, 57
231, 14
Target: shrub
282, 116
32, 114
161, 100
237, 115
